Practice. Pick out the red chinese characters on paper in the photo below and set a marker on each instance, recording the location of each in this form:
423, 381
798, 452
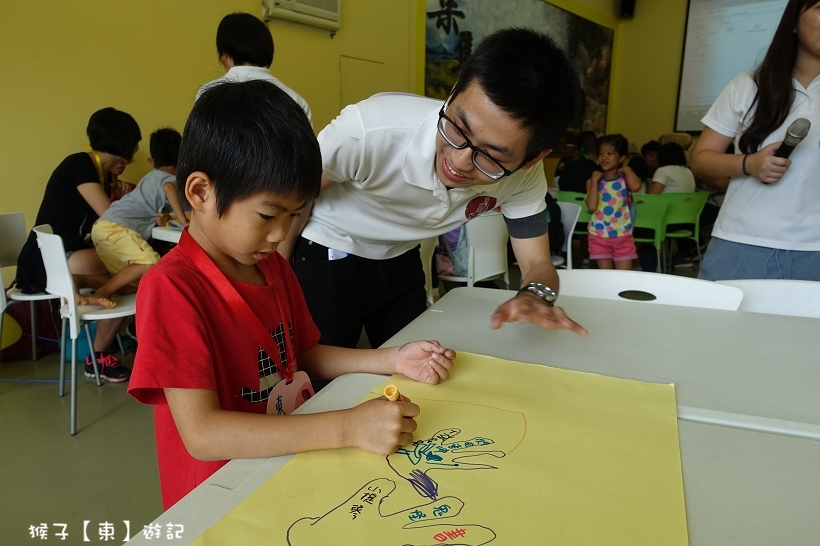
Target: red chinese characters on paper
444, 536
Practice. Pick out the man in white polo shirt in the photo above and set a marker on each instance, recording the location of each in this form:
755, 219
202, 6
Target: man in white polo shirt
401, 168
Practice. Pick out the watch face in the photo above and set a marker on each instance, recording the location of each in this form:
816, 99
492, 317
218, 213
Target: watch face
547, 294
543, 292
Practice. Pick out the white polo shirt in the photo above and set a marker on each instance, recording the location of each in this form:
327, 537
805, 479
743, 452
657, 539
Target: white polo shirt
248, 73
783, 215
381, 152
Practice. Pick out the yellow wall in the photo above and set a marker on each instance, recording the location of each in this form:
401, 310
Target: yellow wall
647, 70
61, 61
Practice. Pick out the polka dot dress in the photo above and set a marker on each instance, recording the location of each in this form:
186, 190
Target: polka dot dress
611, 218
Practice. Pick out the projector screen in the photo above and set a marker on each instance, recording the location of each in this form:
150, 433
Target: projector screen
723, 39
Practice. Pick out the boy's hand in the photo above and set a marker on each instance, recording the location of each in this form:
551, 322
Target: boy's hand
423, 361
162, 218
381, 426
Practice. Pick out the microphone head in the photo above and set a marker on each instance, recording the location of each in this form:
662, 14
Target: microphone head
797, 131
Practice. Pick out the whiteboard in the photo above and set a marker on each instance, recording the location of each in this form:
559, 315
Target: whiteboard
723, 39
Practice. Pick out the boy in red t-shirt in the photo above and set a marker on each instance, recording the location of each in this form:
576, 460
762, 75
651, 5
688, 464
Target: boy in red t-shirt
248, 165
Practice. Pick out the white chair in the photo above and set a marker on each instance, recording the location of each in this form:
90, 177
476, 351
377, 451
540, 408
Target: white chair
569, 218
613, 284
779, 297
427, 248
60, 283
487, 240
12, 238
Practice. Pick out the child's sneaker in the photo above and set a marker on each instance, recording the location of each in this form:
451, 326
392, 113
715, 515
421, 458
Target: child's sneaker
110, 368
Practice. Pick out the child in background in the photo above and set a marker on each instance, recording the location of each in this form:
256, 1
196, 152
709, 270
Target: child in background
222, 320
610, 229
641, 169
121, 234
245, 48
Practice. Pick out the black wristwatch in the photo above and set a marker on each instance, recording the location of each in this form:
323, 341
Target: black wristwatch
542, 291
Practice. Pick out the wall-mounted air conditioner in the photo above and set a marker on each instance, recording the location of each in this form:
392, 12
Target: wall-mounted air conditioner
322, 14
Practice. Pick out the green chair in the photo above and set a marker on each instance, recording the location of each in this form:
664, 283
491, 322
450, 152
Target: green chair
684, 208
649, 214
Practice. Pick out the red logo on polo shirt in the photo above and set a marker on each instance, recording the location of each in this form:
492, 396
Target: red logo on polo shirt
480, 204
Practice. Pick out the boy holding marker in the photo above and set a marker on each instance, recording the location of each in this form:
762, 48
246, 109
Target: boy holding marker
248, 164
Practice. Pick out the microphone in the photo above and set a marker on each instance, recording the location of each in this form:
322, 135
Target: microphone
796, 132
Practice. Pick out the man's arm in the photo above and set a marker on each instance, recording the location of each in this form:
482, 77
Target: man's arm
534, 259
287, 246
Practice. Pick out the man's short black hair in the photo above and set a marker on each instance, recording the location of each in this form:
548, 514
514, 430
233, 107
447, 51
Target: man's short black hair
528, 76
619, 142
587, 142
651, 146
250, 137
245, 39
113, 132
164, 147
671, 153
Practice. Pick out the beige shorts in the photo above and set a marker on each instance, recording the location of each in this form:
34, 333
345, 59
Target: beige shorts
119, 246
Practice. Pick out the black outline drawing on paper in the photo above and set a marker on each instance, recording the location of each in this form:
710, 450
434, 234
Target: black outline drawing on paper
360, 518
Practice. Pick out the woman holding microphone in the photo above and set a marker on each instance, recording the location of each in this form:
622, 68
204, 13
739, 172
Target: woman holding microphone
769, 224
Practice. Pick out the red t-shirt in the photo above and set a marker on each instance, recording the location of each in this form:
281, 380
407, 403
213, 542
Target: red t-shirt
190, 338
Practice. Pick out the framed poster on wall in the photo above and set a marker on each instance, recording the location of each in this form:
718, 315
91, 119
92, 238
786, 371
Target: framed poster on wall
454, 27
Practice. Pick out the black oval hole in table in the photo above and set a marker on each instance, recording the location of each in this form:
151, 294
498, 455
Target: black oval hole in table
637, 295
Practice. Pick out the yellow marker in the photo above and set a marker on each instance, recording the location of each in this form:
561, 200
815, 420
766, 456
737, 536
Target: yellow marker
392, 393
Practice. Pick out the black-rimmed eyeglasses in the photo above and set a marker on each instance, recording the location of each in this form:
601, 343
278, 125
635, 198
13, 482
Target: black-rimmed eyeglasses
456, 138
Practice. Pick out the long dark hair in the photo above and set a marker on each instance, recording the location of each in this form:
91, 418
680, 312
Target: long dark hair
775, 91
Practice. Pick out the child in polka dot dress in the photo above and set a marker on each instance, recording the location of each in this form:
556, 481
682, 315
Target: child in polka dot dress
610, 229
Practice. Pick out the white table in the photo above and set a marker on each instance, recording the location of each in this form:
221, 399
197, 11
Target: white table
167, 234
736, 374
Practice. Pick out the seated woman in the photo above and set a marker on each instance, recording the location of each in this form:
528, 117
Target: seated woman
76, 195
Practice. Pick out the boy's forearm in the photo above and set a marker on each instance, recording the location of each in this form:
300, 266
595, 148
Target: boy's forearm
216, 434
176, 205
328, 362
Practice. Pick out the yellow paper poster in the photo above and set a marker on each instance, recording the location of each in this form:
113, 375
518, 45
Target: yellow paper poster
505, 453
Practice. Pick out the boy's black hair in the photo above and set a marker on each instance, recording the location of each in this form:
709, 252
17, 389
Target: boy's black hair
529, 77
671, 153
250, 137
587, 142
619, 142
164, 147
113, 132
651, 146
245, 39
640, 167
